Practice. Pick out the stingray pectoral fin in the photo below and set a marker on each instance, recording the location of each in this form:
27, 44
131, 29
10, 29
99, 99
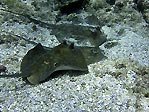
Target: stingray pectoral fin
36, 79
39, 73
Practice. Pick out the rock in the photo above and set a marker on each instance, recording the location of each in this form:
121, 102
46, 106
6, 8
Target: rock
98, 3
2, 68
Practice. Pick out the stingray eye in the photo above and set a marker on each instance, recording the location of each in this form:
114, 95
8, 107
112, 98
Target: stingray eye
55, 64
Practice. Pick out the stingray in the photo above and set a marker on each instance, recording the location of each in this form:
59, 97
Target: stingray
81, 34
70, 32
40, 62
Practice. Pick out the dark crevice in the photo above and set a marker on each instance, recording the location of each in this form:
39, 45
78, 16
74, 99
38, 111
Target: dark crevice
73, 7
111, 2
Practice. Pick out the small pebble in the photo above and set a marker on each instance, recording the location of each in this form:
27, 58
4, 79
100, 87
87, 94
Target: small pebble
2, 68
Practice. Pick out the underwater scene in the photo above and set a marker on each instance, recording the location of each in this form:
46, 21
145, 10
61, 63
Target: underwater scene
74, 55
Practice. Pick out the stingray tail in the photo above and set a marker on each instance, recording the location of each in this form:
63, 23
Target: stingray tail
13, 75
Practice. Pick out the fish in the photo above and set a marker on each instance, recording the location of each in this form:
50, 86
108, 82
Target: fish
81, 33
91, 34
40, 62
